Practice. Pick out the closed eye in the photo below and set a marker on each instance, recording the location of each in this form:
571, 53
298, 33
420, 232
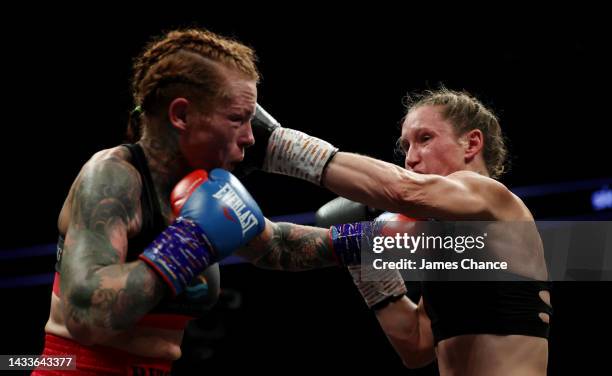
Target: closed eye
239, 119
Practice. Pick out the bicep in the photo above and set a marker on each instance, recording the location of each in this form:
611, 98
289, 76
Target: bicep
385, 186
448, 198
459, 196
105, 203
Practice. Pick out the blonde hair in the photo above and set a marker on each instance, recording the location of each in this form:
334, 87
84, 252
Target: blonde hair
185, 63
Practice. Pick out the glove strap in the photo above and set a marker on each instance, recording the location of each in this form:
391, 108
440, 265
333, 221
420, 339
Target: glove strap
347, 240
179, 253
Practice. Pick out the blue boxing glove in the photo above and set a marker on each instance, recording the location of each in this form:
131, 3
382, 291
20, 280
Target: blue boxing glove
215, 216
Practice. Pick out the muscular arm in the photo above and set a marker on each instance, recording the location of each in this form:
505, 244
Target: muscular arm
290, 247
103, 295
461, 195
408, 328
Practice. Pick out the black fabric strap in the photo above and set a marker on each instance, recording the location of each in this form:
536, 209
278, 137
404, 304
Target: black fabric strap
153, 221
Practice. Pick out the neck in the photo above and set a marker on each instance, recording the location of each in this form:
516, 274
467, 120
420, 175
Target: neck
479, 168
165, 160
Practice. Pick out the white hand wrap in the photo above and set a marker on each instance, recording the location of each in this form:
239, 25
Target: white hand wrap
377, 286
297, 154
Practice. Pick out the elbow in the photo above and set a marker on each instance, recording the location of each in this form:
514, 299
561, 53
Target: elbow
88, 334
82, 333
81, 322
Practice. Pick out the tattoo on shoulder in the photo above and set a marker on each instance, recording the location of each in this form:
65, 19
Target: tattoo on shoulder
105, 202
105, 193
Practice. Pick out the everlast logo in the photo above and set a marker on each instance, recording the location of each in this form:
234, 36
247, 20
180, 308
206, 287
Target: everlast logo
229, 197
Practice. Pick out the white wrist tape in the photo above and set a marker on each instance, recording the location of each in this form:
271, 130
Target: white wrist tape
377, 285
297, 154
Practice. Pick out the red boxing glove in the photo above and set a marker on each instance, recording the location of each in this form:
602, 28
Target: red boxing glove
183, 190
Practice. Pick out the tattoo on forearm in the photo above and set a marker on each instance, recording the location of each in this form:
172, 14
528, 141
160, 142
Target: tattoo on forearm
142, 292
295, 247
100, 303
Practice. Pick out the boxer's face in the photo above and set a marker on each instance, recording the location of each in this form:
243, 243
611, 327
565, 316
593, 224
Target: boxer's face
430, 143
218, 136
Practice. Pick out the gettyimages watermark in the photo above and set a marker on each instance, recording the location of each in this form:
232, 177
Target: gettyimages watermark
490, 251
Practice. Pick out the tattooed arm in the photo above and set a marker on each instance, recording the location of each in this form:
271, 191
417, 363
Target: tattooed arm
102, 295
291, 247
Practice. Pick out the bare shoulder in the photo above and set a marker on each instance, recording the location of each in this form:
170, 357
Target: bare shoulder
501, 202
118, 154
110, 169
478, 182
107, 172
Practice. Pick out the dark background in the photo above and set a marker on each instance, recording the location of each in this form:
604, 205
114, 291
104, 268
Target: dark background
341, 78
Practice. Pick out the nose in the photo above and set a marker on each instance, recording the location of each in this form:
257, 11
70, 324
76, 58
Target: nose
246, 138
412, 158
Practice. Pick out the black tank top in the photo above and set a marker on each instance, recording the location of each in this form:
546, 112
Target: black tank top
152, 219
496, 307
509, 305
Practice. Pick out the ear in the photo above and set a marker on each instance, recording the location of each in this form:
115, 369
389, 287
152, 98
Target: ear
177, 113
474, 142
